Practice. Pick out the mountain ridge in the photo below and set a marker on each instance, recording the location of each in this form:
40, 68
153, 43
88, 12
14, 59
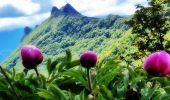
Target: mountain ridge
75, 32
65, 10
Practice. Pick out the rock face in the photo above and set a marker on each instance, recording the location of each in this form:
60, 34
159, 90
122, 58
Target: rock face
55, 11
27, 30
68, 9
65, 10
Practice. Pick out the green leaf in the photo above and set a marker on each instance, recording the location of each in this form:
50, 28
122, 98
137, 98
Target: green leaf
56, 91
147, 93
107, 92
73, 64
162, 97
108, 77
48, 66
22, 87
167, 89
162, 80
71, 96
100, 97
51, 66
13, 73
82, 95
77, 76
46, 95
134, 81
68, 55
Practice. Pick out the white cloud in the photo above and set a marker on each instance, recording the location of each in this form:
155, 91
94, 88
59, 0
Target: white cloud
25, 6
102, 7
86, 7
11, 23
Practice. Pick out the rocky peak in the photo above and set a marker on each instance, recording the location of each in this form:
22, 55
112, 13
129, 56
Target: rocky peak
68, 9
55, 11
65, 10
27, 30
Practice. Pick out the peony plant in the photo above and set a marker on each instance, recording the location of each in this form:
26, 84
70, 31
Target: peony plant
31, 57
158, 63
88, 59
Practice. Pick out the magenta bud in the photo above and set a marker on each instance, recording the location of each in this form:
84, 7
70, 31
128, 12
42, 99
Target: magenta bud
158, 63
88, 59
31, 56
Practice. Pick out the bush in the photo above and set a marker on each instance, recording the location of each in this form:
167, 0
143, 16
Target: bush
66, 80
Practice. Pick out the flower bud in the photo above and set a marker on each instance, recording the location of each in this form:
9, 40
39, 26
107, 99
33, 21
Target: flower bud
88, 59
31, 56
90, 97
158, 63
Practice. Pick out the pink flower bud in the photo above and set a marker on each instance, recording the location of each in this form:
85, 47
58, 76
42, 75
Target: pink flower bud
31, 56
88, 59
158, 63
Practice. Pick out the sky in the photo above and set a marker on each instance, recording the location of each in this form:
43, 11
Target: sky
16, 14
9, 41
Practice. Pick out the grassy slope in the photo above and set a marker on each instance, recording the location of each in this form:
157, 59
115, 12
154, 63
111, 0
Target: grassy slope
54, 35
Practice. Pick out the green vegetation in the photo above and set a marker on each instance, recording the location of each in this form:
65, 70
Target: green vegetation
150, 25
77, 33
119, 72
66, 79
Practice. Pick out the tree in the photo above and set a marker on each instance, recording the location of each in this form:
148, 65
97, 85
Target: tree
150, 25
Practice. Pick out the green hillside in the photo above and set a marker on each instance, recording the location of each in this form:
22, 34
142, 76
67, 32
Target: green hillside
62, 31
132, 60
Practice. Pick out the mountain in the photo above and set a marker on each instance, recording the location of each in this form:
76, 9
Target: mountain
55, 12
27, 30
68, 9
65, 10
66, 28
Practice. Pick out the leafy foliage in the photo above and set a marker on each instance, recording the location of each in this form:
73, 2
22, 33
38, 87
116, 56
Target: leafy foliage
77, 33
119, 73
110, 80
150, 24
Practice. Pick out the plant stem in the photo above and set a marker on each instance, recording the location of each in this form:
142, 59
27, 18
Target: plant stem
89, 79
38, 75
8, 80
36, 71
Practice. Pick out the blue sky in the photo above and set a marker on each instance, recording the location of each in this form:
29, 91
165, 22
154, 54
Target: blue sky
16, 14
9, 40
